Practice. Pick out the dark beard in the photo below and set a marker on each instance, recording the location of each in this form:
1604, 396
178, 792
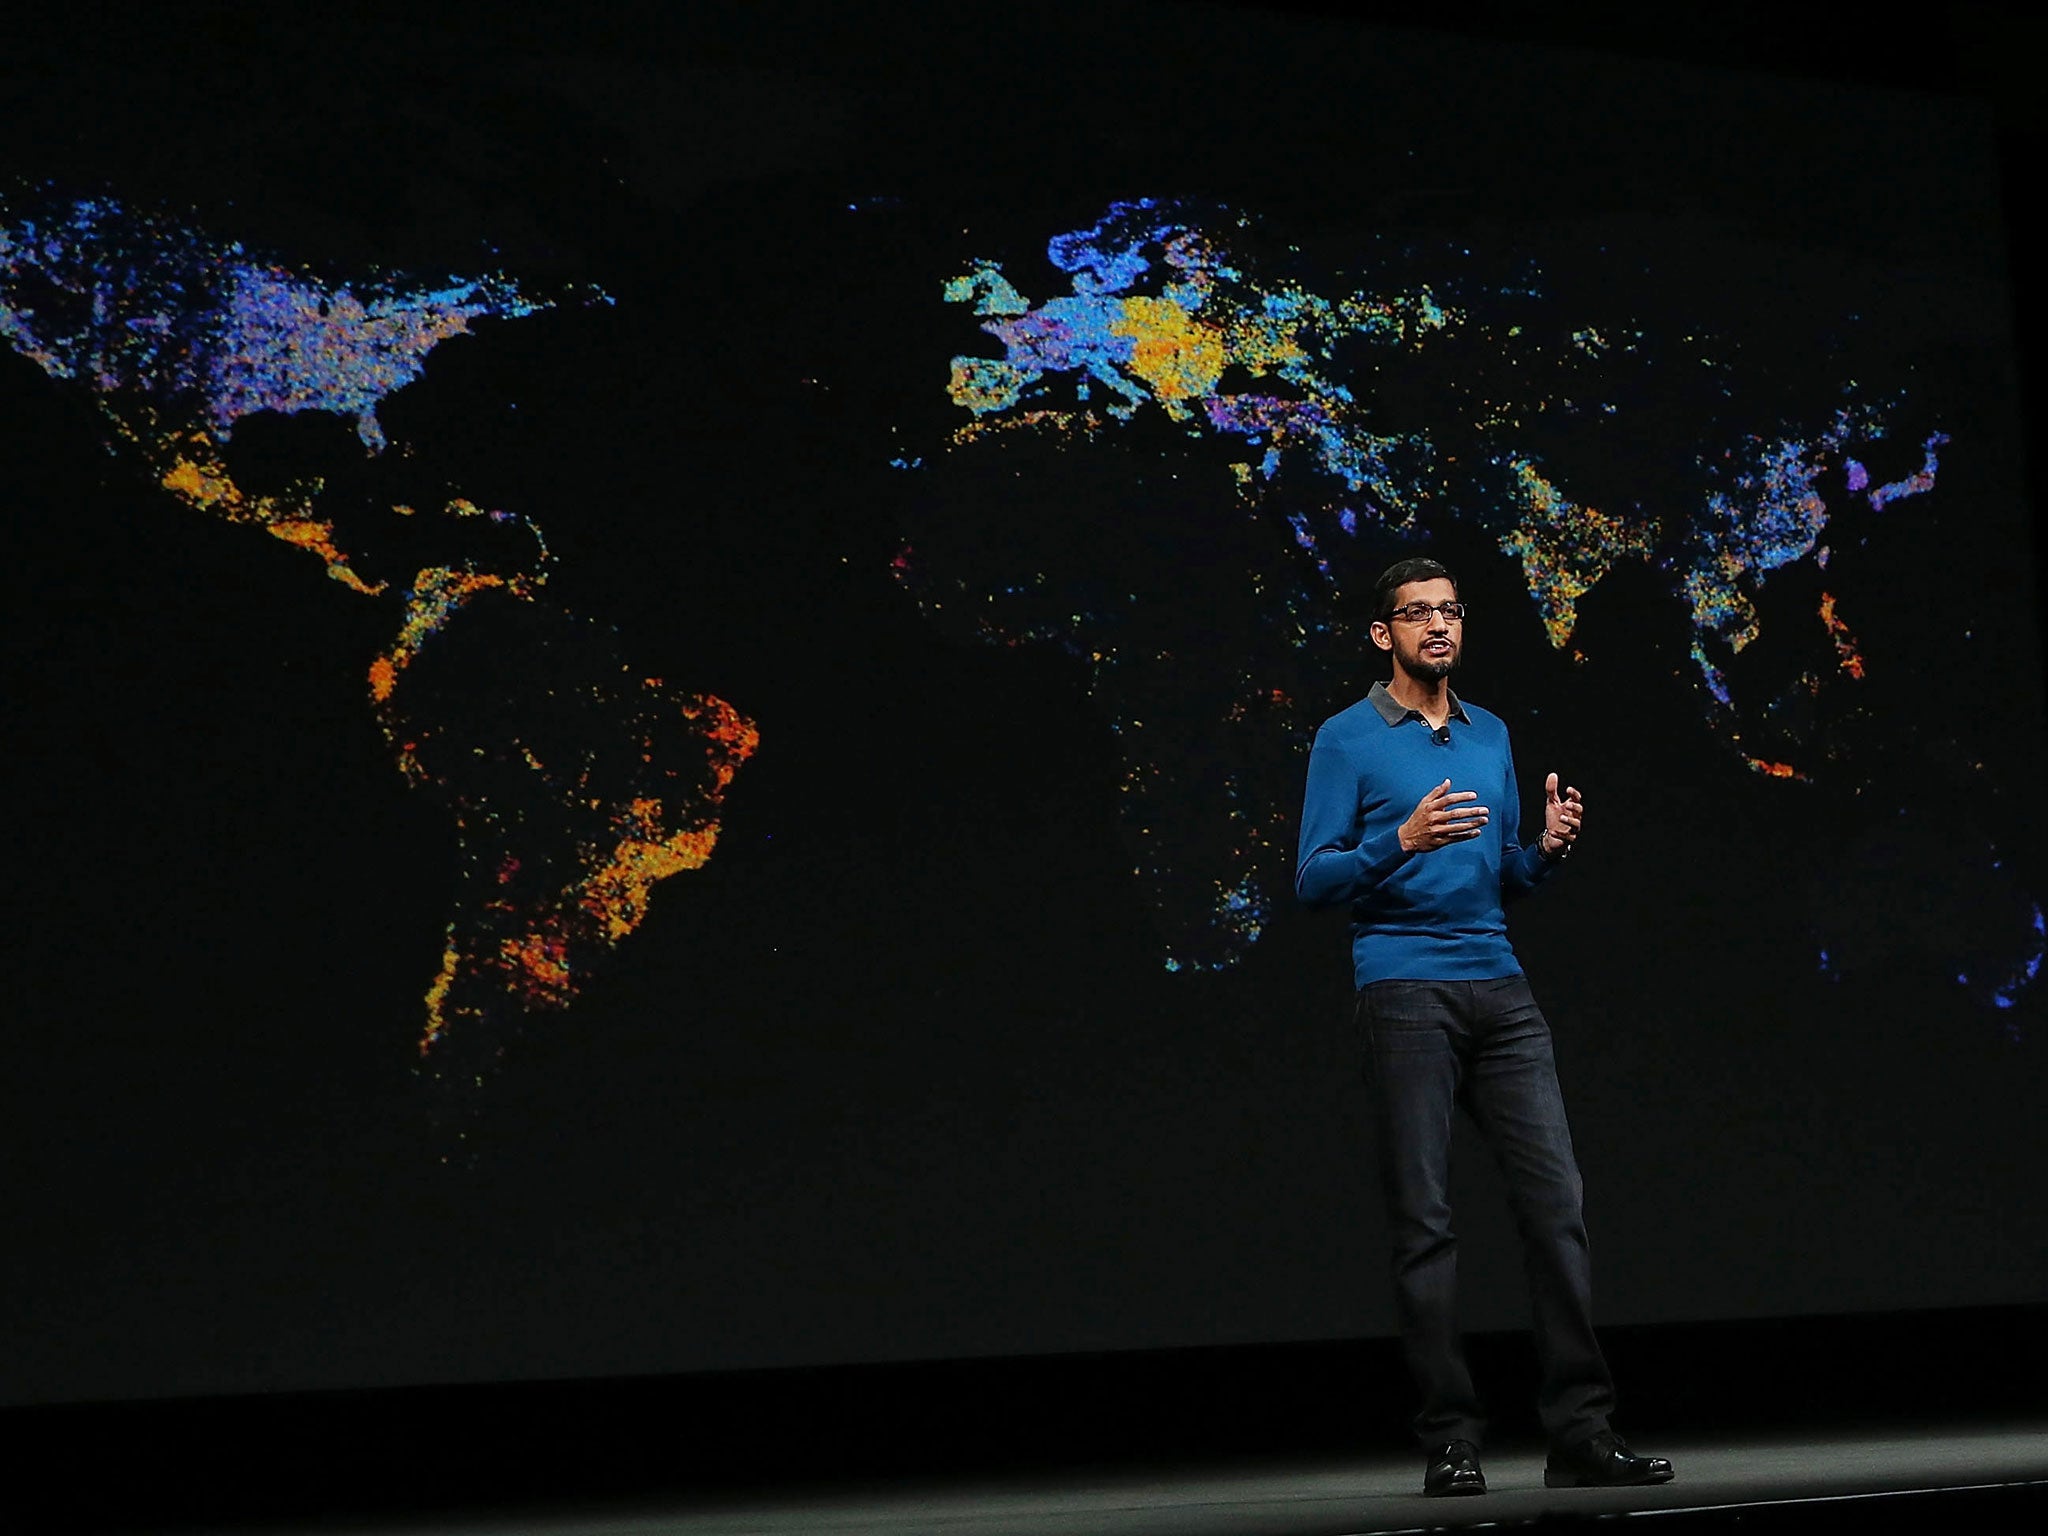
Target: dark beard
1424, 670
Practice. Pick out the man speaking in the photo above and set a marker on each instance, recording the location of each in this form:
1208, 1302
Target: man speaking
1411, 818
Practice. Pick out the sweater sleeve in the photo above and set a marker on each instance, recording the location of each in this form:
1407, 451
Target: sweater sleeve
1522, 868
1338, 861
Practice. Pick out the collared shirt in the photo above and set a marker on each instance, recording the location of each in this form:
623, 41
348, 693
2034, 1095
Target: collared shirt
1434, 916
1393, 711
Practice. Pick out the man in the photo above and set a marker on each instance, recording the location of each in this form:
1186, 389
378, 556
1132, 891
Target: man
1411, 819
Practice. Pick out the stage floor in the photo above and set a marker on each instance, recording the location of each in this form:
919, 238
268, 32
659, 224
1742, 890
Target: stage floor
1872, 1481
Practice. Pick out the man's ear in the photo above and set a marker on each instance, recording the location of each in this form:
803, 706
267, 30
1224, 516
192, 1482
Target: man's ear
1382, 636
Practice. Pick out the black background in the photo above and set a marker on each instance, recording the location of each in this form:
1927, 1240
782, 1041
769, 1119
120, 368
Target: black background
897, 1076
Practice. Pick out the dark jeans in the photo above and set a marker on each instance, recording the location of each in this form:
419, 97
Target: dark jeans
1484, 1045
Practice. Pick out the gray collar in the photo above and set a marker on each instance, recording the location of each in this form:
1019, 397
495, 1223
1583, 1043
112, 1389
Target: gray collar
1393, 711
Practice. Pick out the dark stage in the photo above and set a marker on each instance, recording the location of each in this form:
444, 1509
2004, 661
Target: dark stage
1926, 1421
1933, 1479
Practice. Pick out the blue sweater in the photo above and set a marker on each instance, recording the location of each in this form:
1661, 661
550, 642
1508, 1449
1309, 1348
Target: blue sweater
1415, 916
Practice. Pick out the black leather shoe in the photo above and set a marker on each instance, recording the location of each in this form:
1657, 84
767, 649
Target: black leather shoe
1453, 1469
1605, 1461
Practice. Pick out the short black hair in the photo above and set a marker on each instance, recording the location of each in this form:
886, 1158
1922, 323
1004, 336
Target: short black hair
1398, 575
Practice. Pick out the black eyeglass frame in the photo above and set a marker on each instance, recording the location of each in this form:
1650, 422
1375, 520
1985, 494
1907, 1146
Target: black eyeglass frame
1418, 613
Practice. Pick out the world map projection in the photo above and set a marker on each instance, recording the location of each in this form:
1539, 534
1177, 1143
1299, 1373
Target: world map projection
658, 667
577, 782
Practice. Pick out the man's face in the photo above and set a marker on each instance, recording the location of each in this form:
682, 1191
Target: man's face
1427, 650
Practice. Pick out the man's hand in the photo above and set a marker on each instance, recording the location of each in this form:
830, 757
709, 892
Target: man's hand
1442, 818
1562, 815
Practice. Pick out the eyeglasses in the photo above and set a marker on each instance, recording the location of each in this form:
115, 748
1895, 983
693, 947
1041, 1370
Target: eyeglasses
1418, 613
